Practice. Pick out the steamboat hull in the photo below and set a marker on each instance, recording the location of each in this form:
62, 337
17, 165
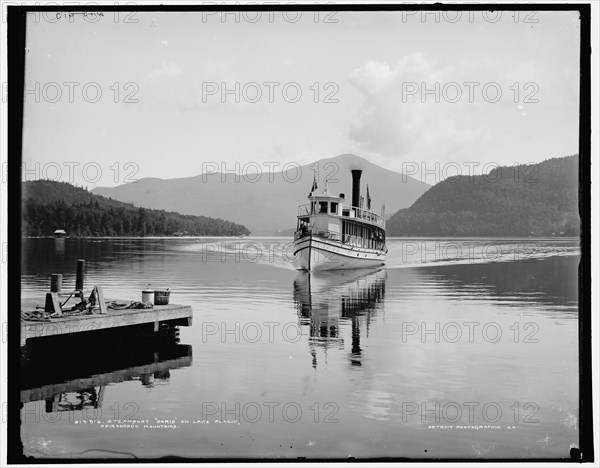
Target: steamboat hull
316, 254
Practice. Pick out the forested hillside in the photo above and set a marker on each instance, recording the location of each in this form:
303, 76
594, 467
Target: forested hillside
49, 205
538, 200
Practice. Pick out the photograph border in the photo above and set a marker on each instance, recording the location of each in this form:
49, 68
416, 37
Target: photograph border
16, 40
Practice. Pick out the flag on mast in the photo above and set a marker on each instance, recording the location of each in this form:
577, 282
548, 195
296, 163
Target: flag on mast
368, 198
314, 185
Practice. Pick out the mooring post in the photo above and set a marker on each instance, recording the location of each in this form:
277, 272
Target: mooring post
52, 304
56, 282
80, 275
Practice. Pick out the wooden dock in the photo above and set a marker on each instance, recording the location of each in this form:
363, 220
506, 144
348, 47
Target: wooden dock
173, 314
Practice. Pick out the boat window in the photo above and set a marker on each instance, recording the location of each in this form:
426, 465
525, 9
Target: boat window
333, 209
323, 207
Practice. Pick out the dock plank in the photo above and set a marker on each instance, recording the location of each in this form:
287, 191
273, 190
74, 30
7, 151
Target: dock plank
112, 319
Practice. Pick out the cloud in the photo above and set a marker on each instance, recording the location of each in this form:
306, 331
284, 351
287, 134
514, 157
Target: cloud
421, 109
372, 77
393, 119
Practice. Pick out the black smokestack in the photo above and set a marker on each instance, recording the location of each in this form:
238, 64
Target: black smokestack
356, 173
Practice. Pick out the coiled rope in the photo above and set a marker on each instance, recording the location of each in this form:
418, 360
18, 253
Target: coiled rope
83, 308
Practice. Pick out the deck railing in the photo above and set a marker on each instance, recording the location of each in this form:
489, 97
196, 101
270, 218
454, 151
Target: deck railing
337, 236
359, 213
369, 216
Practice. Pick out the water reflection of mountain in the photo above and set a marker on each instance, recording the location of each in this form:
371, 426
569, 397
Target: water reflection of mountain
550, 282
71, 379
328, 302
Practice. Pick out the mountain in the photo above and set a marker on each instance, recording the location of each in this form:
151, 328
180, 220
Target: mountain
269, 203
49, 205
538, 200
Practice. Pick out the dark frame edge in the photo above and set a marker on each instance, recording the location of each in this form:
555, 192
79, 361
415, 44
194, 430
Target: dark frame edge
16, 40
16, 23
586, 428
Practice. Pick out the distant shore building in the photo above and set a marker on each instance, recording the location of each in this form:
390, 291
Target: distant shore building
60, 233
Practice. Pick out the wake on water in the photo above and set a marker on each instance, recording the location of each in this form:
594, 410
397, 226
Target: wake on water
402, 253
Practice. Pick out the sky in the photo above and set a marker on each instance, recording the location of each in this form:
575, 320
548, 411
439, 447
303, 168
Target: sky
116, 98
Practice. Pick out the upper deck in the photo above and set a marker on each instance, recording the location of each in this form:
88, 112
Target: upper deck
338, 210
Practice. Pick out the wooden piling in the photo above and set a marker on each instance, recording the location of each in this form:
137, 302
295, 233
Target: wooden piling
56, 282
80, 279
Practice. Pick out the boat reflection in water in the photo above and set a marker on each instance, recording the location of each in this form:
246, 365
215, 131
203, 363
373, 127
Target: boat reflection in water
329, 302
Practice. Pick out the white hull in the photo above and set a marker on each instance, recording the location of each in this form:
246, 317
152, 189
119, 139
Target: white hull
318, 254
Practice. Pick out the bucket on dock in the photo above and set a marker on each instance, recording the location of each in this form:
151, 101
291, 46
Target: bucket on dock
148, 295
161, 296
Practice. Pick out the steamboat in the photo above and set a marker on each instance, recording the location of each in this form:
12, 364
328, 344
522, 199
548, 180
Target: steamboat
333, 235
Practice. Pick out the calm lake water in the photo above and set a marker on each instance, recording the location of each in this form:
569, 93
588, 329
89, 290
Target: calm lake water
457, 348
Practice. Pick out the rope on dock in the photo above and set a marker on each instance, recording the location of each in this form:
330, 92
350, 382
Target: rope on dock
121, 305
83, 308
35, 316
43, 316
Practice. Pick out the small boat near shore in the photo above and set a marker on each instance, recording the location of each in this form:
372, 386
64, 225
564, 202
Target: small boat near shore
331, 235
